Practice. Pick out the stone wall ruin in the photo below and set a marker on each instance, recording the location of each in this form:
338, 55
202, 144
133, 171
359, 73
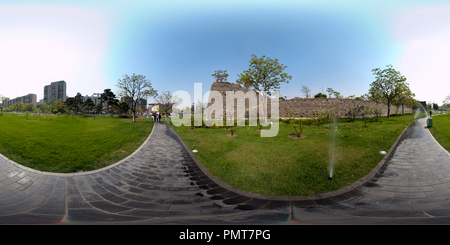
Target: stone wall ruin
303, 107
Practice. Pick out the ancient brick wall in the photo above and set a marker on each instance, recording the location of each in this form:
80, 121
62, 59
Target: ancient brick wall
304, 107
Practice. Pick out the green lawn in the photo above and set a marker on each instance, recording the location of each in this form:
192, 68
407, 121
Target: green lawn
441, 130
65, 145
285, 166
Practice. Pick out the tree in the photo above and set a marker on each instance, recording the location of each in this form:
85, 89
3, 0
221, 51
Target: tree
166, 101
123, 107
109, 98
263, 75
58, 106
88, 105
386, 86
330, 92
446, 101
28, 107
71, 105
366, 112
18, 106
3, 99
435, 107
404, 96
135, 88
306, 91
333, 92
221, 76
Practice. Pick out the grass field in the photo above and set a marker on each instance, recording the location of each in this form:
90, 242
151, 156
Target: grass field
65, 145
441, 130
284, 166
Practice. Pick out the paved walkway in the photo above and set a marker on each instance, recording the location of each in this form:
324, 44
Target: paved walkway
161, 183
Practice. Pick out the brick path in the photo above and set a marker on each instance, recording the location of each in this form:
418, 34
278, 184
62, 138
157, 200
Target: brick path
161, 183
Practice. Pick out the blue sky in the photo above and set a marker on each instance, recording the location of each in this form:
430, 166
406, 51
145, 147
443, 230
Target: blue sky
92, 44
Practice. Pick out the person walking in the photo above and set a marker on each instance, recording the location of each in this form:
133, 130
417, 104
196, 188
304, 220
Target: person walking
154, 117
159, 117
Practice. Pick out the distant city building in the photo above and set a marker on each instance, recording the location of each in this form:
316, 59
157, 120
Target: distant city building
55, 91
95, 98
29, 98
142, 104
153, 107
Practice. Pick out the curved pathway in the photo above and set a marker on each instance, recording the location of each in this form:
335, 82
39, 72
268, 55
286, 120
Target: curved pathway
162, 183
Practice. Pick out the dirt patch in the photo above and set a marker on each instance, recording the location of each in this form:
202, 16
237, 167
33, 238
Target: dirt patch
229, 135
295, 136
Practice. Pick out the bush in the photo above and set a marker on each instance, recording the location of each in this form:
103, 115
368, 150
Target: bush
320, 95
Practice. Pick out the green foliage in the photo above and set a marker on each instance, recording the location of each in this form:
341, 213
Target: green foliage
220, 75
263, 74
329, 115
390, 87
366, 113
353, 113
298, 131
320, 95
317, 117
377, 113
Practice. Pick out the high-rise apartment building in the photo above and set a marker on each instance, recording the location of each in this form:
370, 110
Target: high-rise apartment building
29, 98
55, 91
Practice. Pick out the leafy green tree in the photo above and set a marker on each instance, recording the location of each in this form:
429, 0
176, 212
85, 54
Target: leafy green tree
58, 106
263, 75
88, 105
353, 113
366, 113
333, 92
435, 107
220, 75
386, 86
123, 107
404, 95
109, 98
135, 88
19, 107
72, 105
377, 113
28, 107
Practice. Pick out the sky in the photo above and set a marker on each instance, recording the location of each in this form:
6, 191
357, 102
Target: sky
175, 44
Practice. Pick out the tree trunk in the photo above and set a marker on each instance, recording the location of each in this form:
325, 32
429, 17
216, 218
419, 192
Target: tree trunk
389, 109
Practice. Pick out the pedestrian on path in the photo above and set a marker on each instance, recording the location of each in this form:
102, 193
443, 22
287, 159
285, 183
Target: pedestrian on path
154, 117
159, 117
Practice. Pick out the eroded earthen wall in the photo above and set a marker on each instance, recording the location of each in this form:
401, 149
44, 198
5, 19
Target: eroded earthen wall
304, 107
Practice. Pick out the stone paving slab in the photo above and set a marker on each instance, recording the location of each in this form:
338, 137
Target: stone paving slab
163, 183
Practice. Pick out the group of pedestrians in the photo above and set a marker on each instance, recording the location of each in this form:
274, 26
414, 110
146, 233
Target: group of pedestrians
157, 117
